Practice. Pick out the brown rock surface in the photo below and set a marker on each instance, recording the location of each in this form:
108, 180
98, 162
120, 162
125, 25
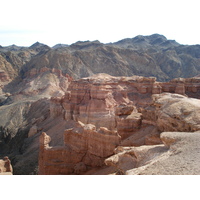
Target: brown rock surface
84, 148
177, 113
5, 166
95, 99
178, 156
182, 158
128, 158
46, 99
127, 122
139, 121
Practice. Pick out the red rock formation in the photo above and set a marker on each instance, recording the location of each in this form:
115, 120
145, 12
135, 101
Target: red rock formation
95, 99
128, 120
84, 147
98, 100
188, 86
111, 111
57, 160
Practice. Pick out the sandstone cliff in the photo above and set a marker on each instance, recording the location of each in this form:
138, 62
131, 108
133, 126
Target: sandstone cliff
123, 121
85, 147
178, 154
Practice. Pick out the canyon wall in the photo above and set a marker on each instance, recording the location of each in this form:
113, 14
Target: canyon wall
84, 148
106, 112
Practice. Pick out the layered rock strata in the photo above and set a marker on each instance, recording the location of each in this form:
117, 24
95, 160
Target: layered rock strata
99, 100
176, 112
85, 147
102, 93
119, 104
95, 99
133, 127
169, 112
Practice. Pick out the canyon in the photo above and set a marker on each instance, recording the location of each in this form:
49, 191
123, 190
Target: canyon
130, 107
118, 115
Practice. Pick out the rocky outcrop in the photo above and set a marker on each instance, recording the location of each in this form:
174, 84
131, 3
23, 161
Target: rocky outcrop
128, 120
85, 147
134, 127
128, 158
176, 112
98, 143
4, 76
5, 166
181, 158
116, 102
177, 156
188, 86
168, 112
95, 99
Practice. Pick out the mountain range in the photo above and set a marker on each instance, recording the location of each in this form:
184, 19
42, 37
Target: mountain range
152, 55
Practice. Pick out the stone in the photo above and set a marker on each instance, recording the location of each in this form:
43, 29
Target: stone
156, 89
57, 160
85, 138
84, 146
128, 124
130, 158
175, 112
44, 140
124, 109
180, 158
5, 166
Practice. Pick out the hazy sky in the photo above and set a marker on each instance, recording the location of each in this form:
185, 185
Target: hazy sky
24, 22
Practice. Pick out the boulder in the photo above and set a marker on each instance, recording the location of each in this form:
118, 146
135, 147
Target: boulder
175, 112
5, 166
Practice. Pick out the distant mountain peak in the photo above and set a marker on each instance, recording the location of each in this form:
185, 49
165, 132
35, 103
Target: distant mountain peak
86, 44
37, 44
156, 35
143, 42
60, 46
39, 47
